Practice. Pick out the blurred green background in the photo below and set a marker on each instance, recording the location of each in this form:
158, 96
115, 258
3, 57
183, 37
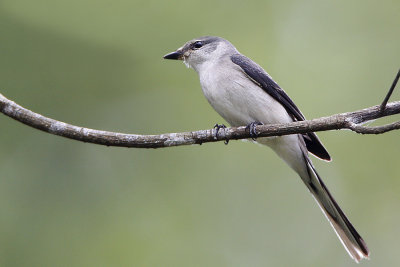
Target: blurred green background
99, 64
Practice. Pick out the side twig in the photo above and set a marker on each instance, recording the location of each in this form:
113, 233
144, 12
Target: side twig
396, 79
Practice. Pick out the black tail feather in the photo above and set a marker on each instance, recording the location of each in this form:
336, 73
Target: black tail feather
346, 232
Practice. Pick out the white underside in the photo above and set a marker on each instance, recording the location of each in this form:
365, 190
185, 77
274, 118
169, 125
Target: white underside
240, 101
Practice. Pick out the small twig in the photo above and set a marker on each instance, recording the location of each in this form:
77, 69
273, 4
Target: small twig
396, 79
373, 129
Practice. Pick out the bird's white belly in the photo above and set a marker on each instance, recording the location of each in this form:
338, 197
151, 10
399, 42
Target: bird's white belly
240, 101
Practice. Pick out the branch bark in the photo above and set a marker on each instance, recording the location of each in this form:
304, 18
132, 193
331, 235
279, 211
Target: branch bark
349, 120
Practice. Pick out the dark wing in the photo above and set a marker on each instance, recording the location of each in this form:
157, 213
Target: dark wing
262, 79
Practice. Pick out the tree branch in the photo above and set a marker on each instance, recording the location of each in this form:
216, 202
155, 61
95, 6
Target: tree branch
349, 120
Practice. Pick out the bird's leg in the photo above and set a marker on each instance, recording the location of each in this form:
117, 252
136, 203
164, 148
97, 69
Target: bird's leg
217, 127
251, 127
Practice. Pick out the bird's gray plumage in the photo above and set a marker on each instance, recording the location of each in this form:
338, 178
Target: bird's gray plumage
242, 93
259, 76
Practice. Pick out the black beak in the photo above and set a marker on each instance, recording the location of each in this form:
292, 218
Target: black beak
174, 55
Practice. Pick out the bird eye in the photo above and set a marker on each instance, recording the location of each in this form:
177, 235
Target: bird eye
197, 44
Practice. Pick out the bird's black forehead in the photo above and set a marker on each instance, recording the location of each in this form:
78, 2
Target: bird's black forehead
204, 39
209, 39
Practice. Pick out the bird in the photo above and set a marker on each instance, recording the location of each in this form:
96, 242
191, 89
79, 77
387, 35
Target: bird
243, 93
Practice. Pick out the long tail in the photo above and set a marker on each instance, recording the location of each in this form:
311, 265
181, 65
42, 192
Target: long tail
351, 240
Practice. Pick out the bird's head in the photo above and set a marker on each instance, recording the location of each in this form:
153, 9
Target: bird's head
201, 50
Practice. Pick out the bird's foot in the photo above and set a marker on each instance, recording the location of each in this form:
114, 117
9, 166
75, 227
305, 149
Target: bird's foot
218, 127
251, 127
